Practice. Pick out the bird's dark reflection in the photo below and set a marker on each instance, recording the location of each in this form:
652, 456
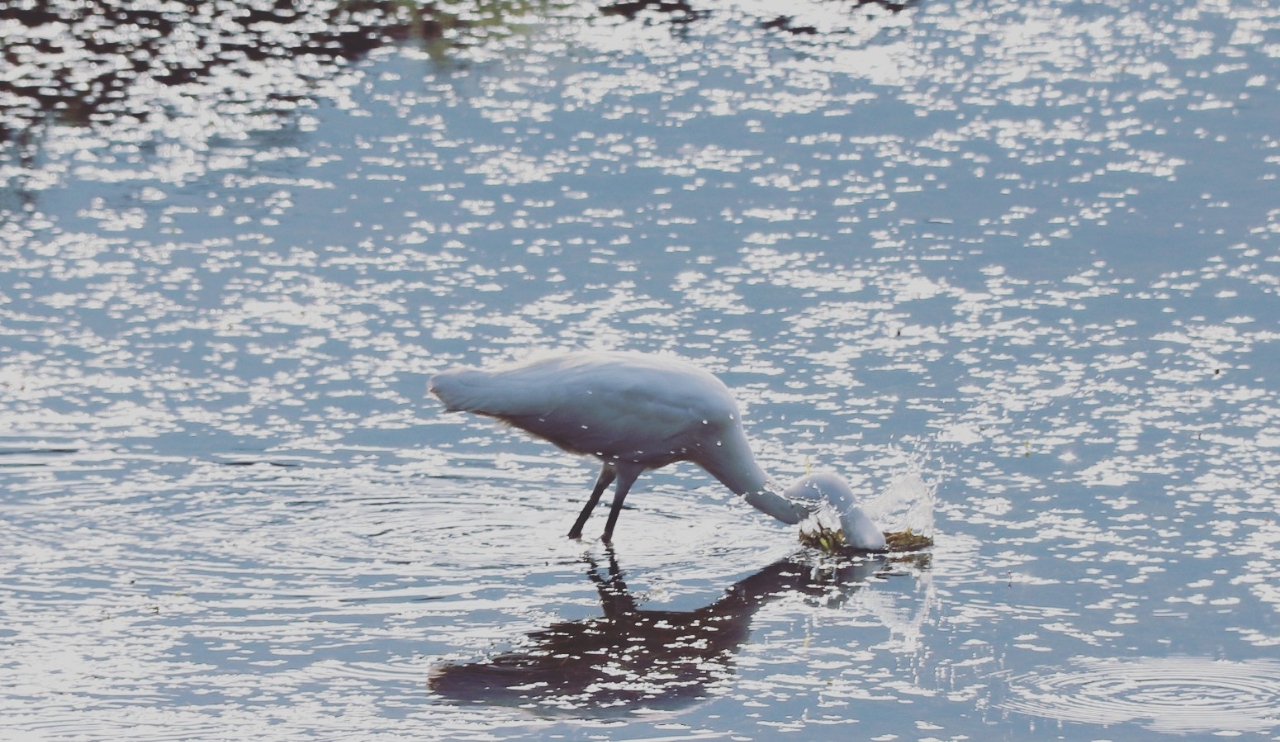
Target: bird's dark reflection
631, 658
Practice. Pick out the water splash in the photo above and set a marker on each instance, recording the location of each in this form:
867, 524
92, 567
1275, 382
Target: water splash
906, 505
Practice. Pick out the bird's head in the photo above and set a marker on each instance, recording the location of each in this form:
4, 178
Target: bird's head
828, 490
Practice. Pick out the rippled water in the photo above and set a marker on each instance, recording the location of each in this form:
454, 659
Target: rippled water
1024, 253
1167, 694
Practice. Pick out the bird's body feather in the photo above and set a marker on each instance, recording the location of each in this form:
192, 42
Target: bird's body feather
617, 406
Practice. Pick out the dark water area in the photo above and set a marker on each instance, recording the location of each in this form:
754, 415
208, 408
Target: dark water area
1020, 257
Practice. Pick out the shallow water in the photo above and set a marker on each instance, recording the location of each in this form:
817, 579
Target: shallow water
1024, 252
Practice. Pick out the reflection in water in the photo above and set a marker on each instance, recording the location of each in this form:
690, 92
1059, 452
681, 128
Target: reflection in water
94, 61
100, 61
631, 658
676, 12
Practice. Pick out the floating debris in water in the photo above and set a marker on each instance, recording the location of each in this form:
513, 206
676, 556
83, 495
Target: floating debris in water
907, 541
831, 540
823, 538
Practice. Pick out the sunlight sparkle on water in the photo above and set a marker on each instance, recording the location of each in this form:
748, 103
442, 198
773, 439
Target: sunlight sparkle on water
1021, 256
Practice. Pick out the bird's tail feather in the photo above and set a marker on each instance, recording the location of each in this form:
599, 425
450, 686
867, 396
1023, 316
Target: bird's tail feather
482, 392
461, 389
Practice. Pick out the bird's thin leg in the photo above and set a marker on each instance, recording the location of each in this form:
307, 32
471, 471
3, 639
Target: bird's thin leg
607, 474
626, 478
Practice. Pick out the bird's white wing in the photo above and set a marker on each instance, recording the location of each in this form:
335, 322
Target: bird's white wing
627, 412
628, 407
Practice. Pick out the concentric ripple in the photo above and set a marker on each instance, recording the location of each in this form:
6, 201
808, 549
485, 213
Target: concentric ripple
1171, 694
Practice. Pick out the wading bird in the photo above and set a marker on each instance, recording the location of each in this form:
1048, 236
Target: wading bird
633, 412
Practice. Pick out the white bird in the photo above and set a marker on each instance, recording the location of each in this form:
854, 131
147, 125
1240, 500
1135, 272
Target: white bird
633, 412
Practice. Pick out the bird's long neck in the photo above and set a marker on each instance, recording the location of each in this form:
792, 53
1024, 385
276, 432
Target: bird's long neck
734, 465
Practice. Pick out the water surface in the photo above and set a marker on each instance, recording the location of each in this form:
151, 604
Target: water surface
1025, 252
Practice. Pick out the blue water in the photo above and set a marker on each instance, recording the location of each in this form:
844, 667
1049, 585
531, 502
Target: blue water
1020, 255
